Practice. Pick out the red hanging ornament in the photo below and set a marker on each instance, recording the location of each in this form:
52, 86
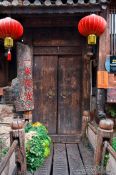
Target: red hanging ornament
10, 29
27, 70
9, 57
92, 26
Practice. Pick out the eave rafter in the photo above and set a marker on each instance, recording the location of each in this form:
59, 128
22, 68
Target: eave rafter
50, 6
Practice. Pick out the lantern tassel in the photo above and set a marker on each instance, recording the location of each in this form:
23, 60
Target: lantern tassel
9, 55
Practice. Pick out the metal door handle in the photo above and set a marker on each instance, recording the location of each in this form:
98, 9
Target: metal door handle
63, 94
51, 94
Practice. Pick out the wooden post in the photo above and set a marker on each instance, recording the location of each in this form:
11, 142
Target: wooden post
85, 119
27, 116
87, 55
18, 133
105, 132
104, 50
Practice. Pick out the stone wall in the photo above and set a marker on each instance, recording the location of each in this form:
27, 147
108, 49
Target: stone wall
6, 116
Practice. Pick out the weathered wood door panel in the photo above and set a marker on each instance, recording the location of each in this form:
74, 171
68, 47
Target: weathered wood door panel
57, 92
69, 94
57, 79
45, 91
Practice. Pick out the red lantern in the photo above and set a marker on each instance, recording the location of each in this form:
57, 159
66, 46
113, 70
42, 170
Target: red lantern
92, 26
10, 29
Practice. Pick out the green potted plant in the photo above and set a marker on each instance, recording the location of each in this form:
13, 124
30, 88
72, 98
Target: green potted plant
114, 143
111, 112
38, 145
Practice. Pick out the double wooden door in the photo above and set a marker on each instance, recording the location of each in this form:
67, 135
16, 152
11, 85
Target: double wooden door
57, 92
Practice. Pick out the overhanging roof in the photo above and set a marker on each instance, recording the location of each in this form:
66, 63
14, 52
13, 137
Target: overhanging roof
51, 6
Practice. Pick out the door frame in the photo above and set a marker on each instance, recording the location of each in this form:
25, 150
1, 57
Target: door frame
64, 48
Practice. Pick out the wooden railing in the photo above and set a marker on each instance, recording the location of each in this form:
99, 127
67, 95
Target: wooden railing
92, 128
17, 140
103, 138
103, 134
111, 150
6, 159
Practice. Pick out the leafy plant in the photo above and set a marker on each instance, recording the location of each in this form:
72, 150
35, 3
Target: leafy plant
37, 145
106, 158
111, 110
3, 149
114, 143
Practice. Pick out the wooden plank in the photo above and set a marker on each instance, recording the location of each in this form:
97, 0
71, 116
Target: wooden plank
45, 91
86, 82
104, 50
66, 138
57, 50
69, 104
60, 166
88, 158
46, 168
75, 162
48, 21
12, 165
55, 36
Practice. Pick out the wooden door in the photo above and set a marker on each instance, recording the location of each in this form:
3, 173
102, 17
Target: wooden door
45, 91
57, 93
57, 79
69, 94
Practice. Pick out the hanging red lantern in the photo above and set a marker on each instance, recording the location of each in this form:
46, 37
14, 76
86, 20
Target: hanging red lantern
92, 26
10, 29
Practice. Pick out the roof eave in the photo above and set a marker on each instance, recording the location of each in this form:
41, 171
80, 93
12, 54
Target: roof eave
36, 10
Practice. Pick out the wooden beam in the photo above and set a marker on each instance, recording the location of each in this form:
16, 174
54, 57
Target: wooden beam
65, 9
86, 79
66, 138
57, 51
104, 50
104, 43
48, 21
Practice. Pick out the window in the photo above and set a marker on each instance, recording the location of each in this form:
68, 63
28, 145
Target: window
113, 31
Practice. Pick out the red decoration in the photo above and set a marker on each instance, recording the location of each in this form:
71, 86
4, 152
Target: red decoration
29, 96
9, 56
28, 82
92, 24
10, 28
27, 70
